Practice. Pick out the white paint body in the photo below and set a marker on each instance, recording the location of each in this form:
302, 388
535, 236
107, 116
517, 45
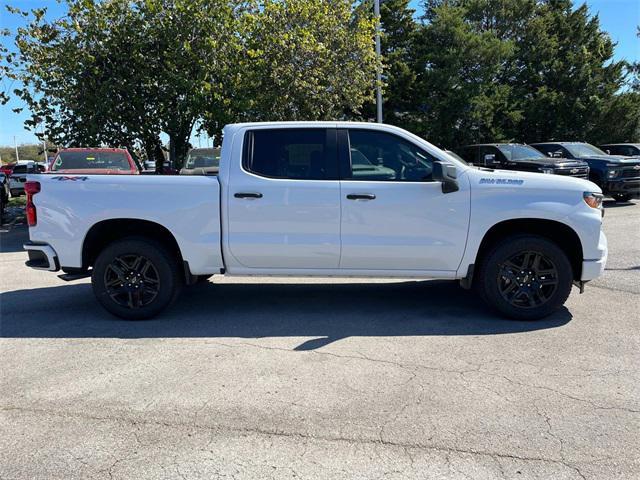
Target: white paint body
307, 227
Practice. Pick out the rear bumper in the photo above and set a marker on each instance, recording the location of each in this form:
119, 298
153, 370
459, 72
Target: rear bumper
41, 257
629, 186
592, 269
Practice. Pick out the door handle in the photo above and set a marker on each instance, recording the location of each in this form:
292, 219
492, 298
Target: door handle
247, 195
361, 196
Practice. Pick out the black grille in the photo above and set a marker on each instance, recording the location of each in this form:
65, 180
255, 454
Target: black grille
580, 172
630, 173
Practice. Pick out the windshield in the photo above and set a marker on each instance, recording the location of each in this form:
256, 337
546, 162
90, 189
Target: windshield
457, 157
91, 160
203, 158
583, 150
519, 152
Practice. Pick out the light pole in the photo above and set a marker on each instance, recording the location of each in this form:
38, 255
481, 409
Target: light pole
15, 144
376, 12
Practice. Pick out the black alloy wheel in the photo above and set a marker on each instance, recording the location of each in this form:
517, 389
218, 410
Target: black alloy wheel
132, 281
136, 278
528, 279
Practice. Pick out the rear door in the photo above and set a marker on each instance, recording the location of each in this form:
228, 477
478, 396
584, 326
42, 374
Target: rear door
284, 200
394, 216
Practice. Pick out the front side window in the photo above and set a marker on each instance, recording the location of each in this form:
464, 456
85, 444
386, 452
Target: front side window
293, 153
490, 156
386, 157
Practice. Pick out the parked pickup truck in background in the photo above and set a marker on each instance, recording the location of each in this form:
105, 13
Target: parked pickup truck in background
95, 161
290, 200
18, 176
623, 149
616, 175
516, 156
202, 161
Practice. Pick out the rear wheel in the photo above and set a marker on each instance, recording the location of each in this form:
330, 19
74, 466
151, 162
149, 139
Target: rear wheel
135, 278
525, 277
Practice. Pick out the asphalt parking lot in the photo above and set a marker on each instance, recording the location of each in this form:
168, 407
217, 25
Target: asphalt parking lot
320, 379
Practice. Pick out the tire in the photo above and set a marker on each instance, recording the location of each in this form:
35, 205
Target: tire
622, 197
521, 293
136, 278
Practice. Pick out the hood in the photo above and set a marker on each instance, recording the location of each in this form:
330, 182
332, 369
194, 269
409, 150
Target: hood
614, 159
517, 180
551, 162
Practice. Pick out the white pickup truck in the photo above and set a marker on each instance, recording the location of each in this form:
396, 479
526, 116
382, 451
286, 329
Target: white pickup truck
321, 199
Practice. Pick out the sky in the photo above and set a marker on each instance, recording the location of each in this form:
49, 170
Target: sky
617, 17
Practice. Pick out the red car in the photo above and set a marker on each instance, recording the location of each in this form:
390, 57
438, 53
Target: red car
95, 161
7, 168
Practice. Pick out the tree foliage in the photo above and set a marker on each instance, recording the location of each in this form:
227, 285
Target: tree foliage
497, 70
121, 72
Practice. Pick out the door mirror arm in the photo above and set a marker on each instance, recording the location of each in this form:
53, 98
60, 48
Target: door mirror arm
447, 174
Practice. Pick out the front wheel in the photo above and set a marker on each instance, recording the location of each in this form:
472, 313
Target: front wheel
135, 278
525, 277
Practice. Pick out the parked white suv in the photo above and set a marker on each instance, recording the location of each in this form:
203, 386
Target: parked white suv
290, 200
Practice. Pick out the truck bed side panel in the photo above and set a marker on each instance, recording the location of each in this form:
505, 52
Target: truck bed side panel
188, 206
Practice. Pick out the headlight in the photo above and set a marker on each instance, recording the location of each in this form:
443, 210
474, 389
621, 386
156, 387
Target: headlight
594, 200
546, 170
613, 173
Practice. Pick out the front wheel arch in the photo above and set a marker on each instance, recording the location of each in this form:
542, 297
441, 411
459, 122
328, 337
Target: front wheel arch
561, 234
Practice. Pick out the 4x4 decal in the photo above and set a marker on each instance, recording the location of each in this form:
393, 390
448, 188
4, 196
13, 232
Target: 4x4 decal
65, 178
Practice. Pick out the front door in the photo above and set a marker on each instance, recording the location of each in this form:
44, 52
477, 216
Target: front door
284, 202
394, 216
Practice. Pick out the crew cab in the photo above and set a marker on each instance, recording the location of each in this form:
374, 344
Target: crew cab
289, 200
516, 156
616, 175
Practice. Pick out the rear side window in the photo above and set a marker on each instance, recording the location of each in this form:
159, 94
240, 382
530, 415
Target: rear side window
91, 160
294, 153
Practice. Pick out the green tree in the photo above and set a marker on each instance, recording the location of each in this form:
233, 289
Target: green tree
460, 97
566, 79
398, 28
122, 72
303, 60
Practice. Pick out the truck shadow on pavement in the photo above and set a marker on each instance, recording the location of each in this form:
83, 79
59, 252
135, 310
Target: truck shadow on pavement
328, 312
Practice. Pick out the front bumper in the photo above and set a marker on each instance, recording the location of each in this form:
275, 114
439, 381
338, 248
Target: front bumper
627, 186
41, 257
594, 268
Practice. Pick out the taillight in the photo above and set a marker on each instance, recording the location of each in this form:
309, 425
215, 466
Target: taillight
31, 188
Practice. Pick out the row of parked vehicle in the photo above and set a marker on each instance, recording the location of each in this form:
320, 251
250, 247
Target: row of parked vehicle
615, 168
100, 161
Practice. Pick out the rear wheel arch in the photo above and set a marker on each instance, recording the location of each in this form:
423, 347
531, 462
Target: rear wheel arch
106, 232
559, 233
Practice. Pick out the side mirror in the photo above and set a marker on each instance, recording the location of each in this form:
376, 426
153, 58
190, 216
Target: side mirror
447, 174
